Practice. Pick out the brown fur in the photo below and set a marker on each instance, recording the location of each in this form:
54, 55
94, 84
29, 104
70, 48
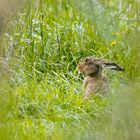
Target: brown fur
94, 81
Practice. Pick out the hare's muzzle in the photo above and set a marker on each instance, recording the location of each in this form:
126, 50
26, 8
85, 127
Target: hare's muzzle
80, 68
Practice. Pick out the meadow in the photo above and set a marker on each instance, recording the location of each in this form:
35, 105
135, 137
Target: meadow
41, 94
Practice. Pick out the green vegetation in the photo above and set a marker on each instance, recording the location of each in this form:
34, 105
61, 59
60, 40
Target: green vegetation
41, 94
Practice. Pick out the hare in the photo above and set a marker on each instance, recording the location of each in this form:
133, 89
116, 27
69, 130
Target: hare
94, 81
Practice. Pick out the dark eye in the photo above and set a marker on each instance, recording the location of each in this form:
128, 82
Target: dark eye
86, 59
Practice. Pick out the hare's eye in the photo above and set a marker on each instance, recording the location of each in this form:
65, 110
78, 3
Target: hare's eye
86, 59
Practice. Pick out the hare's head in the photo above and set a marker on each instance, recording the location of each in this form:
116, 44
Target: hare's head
93, 66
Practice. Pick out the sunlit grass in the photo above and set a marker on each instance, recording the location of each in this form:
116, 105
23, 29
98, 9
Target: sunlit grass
42, 97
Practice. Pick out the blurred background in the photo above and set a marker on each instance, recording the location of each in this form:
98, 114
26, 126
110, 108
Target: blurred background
41, 43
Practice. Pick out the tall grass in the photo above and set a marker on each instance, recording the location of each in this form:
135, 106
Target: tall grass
42, 94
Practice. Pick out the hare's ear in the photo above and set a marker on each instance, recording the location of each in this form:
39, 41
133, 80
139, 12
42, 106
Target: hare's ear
112, 66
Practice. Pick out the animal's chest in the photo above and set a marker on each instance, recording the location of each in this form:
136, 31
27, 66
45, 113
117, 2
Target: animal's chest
92, 85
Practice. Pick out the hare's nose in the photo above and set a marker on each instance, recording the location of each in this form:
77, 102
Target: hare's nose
79, 66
